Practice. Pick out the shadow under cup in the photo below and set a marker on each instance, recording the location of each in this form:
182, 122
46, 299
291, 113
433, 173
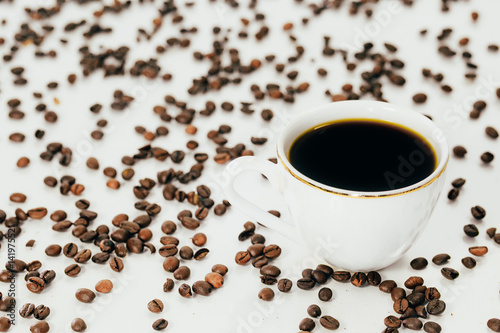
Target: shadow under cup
359, 230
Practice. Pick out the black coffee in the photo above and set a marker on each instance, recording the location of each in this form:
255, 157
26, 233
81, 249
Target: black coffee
363, 155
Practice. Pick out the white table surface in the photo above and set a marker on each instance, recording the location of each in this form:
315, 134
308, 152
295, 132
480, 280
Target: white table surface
471, 299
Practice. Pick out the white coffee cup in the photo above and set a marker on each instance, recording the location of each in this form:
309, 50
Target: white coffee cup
353, 230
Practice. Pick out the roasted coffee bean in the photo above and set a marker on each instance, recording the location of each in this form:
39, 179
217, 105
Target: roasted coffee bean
306, 324
186, 253
329, 323
436, 307
415, 299
419, 263
314, 311
41, 312
413, 324
242, 257
413, 282
48, 276
200, 254
155, 306
285, 285
458, 183
306, 283
40, 327
478, 250
494, 324
18, 197
190, 223
85, 295
104, 286
270, 270
401, 305
83, 256
325, 294
471, 230
185, 290
319, 277
469, 262
215, 279
27, 310
160, 324
170, 264
15, 265
459, 151
35, 284
116, 264
487, 157
341, 276
478, 212
78, 325
433, 327
392, 322
168, 227
421, 311
373, 278
182, 273
33, 265
453, 194
358, 279
72, 270
325, 269
307, 273
202, 288
31, 274
199, 239
100, 258
491, 232
165, 240
260, 261
53, 250
398, 293
256, 250
441, 259
387, 286
272, 251
432, 293
168, 286
219, 268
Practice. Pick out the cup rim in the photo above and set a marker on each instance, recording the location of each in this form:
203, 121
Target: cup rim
443, 156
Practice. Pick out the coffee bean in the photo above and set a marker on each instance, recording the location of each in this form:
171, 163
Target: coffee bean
432, 327
214, 279
459, 151
341, 276
168, 286
325, 294
170, 264
116, 264
78, 325
242, 257
104, 286
358, 279
373, 278
160, 324
469, 262
432, 293
35, 284
200, 254
85, 295
441, 259
494, 324
270, 270
155, 306
307, 324
202, 288
478, 250
458, 183
219, 268
37, 213
329, 323
392, 322
449, 273
306, 283
413, 324
491, 232
487, 157
436, 307
53, 250
478, 212
72, 270
415, 299
401, 305
387, 286
314, 311
41, 312
272, 251
419, 98
17, 197
83, 256
471, 230
26, 310
419, 263
33, 265
398, 293
491, 132
168, 250
182, 273
185, 290
48, 276
413, 282
40, 327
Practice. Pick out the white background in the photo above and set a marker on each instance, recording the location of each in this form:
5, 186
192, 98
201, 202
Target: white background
471, 300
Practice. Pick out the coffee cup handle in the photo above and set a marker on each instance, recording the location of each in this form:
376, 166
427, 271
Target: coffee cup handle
245, 164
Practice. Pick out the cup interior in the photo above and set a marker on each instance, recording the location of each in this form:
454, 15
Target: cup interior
346, 110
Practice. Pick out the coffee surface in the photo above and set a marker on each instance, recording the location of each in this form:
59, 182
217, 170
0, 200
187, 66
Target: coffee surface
363, 155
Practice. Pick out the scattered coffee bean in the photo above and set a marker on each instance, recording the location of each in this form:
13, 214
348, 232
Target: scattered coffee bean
160, 324
494, 324
78, 325
155, 306
325, 294
478, 250
449, 273
441, 259
419, 263
85, 295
